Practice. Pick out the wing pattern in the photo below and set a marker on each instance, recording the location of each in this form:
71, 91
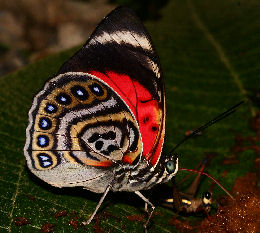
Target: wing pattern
120, 53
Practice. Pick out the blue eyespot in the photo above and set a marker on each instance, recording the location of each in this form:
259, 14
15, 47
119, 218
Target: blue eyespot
50, 108
45, 160
63, 98
96, 89
42, 141
45, 123
79, 92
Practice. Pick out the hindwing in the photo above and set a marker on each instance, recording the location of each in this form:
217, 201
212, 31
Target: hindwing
77, 121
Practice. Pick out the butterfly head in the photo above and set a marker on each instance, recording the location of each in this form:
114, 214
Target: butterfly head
170, 166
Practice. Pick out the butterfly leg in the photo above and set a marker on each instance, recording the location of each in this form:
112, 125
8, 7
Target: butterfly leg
148, 203
98, 206
146, 207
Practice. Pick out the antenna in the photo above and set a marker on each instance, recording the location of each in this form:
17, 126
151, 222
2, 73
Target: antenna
206, 174
209, 123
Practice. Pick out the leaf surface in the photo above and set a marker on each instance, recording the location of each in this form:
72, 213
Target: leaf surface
210, 58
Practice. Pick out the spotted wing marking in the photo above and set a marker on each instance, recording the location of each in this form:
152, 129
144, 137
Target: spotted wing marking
50, 141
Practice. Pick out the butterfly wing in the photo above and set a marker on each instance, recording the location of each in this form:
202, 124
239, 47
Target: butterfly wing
120, 53
105, 107
79, 128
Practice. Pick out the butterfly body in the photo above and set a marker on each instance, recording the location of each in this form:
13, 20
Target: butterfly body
100, 122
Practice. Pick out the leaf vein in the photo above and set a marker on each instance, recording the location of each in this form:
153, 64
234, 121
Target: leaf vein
220, 51
14, 199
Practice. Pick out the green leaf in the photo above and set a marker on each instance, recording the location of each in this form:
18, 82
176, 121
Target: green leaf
210, 57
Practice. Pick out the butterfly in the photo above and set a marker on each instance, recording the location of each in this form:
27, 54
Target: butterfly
100, 122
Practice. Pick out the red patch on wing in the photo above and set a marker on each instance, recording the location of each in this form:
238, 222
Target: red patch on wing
148, 124
157, 150
122, 85
145, 109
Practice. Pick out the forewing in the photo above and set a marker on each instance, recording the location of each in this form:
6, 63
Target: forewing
120, 53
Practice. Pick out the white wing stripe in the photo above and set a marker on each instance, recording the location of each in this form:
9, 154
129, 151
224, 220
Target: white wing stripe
122, 37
